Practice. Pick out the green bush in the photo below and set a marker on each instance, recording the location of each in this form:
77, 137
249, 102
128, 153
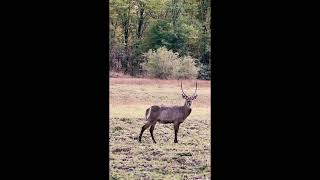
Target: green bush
165, 64
187, 68
204, 72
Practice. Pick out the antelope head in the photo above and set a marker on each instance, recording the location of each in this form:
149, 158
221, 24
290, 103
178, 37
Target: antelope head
189, 99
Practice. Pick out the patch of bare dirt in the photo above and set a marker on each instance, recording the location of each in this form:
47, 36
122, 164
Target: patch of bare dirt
121, 150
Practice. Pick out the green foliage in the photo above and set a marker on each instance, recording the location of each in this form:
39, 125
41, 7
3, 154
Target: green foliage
162, 33
136, 26
204, 72
165, 64
159, 34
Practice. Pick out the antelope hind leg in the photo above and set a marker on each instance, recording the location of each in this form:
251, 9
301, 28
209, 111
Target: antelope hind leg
148, 124
151, 131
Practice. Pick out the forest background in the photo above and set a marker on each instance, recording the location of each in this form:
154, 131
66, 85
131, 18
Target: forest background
165, 39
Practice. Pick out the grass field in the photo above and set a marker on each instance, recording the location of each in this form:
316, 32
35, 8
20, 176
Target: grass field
129, 159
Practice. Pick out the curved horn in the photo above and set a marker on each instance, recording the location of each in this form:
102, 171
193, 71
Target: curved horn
195, 92
182, 89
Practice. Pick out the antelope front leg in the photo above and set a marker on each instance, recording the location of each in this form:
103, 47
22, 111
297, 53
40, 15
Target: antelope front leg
176, 129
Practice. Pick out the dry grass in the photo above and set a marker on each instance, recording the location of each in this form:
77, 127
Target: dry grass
129, 159
113, 74
159, 82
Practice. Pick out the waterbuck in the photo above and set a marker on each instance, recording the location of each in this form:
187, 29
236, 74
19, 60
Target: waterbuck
165, 115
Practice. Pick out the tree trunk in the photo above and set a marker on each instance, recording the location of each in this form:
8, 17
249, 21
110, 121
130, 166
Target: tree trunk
140, 23
126, 24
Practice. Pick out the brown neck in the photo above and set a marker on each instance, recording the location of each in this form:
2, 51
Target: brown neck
187, 110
